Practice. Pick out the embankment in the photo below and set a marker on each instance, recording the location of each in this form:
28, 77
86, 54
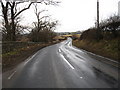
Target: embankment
109, 48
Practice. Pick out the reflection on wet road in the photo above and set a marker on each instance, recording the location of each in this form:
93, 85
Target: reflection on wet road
62, 66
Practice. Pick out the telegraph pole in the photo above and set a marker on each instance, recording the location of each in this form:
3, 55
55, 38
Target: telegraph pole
98, 33
119, 8
98, 14
98, 29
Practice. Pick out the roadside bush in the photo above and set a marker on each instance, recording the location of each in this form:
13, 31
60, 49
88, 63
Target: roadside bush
109, 29
89, 34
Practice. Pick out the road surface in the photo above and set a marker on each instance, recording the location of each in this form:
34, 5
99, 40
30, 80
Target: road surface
62, 66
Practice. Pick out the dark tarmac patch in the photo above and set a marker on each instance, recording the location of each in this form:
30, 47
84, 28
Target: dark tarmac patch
107, 78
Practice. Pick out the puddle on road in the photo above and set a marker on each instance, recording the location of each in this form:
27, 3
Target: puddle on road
105, 77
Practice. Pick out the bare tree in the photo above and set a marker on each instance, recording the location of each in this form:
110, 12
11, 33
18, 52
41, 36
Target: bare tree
111, 26
43, 30
10, 13
39, 24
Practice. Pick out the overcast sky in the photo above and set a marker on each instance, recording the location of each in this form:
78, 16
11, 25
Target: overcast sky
74, 15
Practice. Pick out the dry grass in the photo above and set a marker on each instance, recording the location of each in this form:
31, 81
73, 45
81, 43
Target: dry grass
104, 48
13, 58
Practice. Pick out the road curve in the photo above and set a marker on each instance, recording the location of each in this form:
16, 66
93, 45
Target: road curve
62, 66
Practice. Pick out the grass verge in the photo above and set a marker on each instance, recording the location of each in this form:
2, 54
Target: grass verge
109, 49
13, 58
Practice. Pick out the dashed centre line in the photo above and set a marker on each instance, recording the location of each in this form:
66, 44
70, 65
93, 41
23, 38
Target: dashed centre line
59, 50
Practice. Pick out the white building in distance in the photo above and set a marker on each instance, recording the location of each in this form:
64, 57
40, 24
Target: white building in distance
119, 8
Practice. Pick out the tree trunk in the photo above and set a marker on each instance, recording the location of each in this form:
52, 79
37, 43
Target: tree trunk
5, 16
13, 26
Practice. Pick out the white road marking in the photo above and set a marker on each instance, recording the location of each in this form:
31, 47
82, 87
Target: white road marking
59, 50
92, 53
67, 61
12, 75
72, 54
30, 58
81, 77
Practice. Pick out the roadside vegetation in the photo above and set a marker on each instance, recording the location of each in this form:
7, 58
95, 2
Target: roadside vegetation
20, 52
104, 42
20, 42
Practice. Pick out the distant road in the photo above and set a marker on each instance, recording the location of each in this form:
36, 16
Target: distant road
62, 66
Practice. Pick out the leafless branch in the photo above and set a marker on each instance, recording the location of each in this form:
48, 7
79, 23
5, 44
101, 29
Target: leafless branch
23, 10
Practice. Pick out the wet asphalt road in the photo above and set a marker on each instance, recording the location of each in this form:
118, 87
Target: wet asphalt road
62, 66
